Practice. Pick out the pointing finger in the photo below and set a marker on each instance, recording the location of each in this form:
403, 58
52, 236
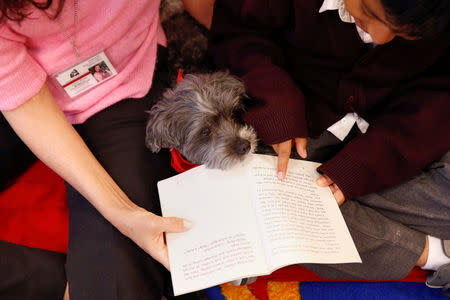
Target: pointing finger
284, 152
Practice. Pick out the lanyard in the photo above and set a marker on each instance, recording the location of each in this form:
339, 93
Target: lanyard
75, 21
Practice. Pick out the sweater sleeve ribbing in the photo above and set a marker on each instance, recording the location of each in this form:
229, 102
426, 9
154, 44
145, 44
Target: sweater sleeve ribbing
21, 77
243, 38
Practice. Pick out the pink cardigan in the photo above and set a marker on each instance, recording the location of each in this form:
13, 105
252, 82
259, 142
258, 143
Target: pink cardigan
128, 32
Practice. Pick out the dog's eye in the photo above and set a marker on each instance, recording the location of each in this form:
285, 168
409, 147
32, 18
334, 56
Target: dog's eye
206, 131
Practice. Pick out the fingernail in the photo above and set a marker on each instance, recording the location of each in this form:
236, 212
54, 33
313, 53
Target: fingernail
188, 224
280, 175
304, 153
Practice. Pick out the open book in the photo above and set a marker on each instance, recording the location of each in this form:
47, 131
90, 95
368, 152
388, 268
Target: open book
248, 223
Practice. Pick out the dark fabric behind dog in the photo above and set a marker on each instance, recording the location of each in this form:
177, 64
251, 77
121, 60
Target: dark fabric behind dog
15, 157
187, 41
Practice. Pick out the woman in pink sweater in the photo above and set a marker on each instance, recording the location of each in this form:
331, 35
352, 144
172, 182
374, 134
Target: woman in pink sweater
92, 133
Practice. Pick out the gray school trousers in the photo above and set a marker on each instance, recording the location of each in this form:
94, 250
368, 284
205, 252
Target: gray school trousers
389, 227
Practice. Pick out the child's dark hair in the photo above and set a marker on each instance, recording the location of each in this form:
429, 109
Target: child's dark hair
17, 10
418, 18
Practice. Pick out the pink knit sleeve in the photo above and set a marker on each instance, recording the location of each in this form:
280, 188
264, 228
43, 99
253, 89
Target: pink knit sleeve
21, 77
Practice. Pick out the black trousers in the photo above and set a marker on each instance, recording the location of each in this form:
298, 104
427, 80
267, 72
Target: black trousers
101, 262
31, 274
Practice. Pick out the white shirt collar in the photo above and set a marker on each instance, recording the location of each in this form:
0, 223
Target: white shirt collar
345, 16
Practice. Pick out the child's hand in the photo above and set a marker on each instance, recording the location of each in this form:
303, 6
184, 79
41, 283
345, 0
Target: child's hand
324, 180
283, 150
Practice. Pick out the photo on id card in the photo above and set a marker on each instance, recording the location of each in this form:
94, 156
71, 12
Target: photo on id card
86, 74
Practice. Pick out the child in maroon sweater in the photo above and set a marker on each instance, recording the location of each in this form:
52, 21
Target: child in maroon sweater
364, 87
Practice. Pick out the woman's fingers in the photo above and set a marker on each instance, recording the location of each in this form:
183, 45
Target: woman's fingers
173, 224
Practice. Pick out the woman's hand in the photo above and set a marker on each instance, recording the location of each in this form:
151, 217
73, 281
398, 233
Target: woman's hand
147, 231
324, 180
283, 150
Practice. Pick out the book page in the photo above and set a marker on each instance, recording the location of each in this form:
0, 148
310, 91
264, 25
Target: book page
224, 243
301, 222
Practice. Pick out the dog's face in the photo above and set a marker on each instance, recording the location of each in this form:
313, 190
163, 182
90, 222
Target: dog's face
200, 118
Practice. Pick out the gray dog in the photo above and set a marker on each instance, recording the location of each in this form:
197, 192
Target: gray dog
199, 117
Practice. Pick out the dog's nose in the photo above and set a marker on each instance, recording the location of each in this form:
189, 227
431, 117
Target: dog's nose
242, 146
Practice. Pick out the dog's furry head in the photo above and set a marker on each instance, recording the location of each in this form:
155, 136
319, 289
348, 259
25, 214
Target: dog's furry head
199, 117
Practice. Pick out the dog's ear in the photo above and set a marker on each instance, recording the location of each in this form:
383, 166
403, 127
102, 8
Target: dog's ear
159, 131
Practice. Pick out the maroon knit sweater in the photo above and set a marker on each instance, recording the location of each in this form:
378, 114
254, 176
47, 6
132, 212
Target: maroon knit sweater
310, 69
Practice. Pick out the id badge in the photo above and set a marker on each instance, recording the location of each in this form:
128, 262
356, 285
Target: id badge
85, 75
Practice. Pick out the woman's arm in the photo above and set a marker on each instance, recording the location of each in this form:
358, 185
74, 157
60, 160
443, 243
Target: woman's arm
42, 126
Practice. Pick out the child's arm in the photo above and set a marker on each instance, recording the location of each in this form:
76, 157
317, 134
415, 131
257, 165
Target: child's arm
406, 136
242, 40
413, 131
